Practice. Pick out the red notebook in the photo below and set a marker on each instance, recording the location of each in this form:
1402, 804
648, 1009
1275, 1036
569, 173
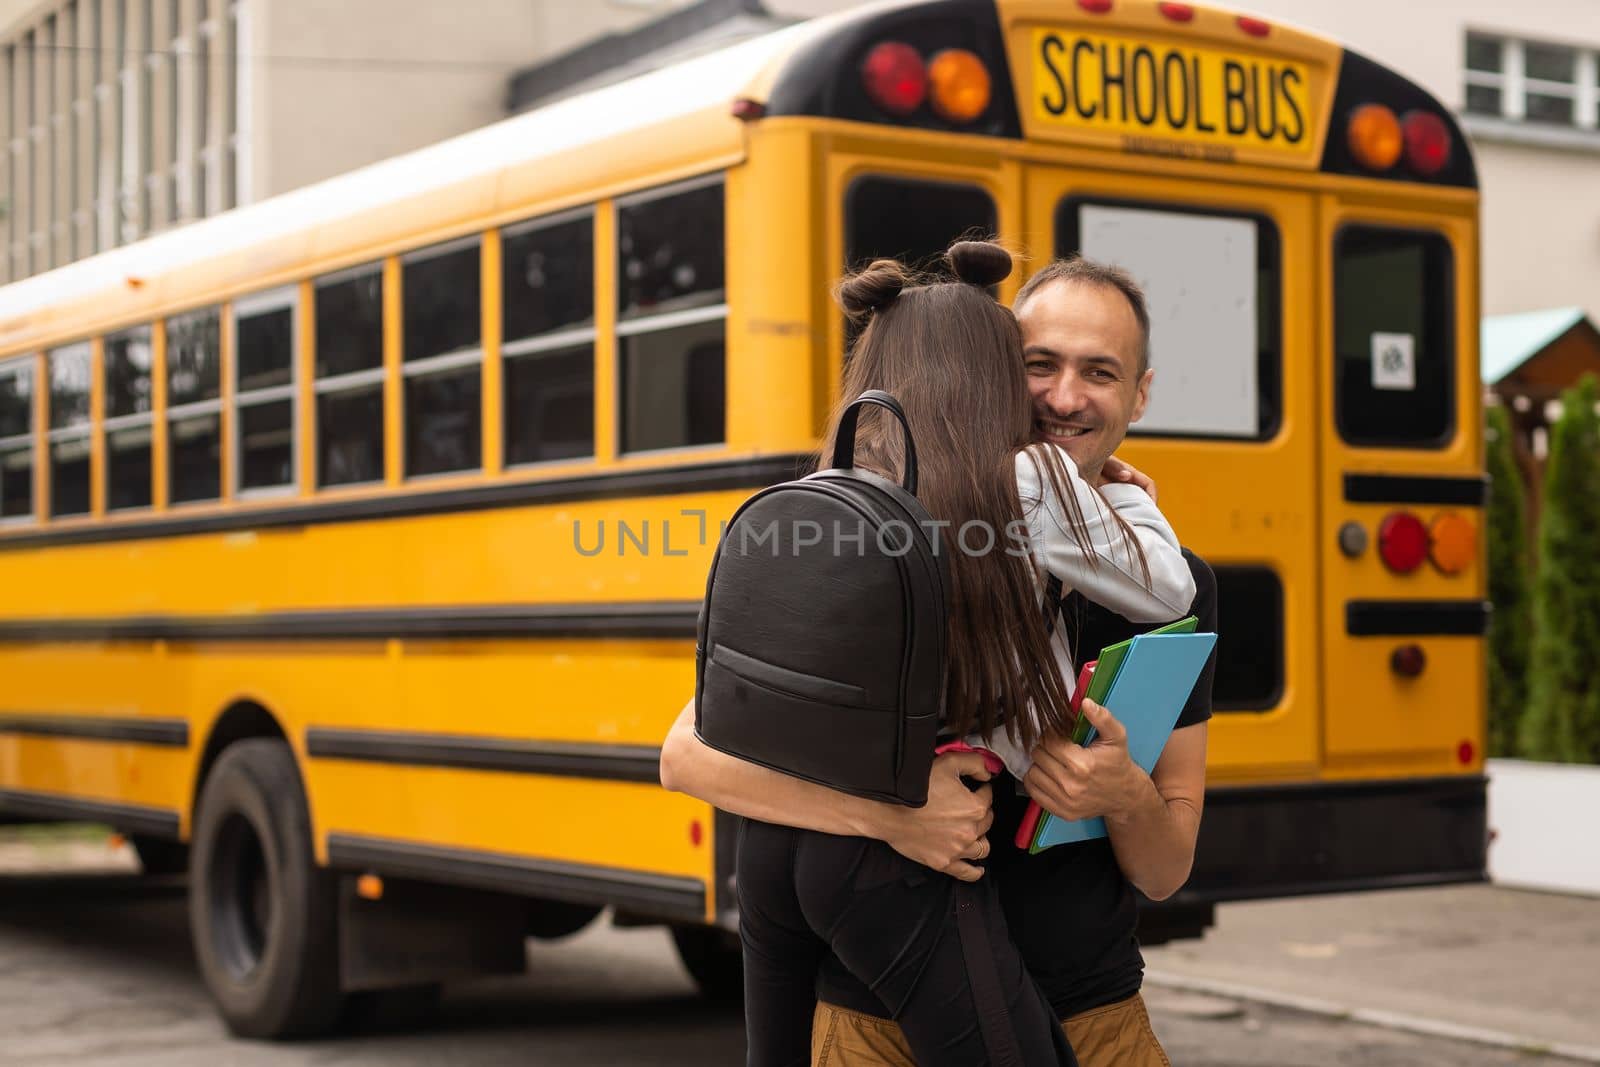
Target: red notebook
1030, 818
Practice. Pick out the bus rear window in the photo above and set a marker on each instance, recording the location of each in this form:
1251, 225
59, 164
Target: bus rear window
912, 221
1393, 341
1211, 281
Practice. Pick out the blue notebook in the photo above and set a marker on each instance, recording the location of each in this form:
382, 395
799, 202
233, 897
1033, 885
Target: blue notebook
1151, 688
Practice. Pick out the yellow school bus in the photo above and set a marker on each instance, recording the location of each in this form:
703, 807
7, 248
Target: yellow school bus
351, 542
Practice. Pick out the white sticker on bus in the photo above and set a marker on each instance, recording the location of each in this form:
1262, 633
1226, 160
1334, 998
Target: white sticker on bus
1394, 361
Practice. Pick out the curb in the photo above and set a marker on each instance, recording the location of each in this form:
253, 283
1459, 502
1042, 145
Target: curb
1390, 1020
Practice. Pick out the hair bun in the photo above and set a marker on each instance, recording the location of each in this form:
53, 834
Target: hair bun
979, 262
871, 289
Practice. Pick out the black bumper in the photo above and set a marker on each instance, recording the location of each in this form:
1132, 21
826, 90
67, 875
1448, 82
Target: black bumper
1271, 841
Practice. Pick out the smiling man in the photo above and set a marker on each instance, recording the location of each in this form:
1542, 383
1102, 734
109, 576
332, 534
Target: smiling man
1086, 340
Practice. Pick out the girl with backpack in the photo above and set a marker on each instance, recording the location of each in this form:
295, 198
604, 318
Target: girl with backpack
936, 951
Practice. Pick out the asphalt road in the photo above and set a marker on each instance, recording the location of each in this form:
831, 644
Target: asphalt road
98, 971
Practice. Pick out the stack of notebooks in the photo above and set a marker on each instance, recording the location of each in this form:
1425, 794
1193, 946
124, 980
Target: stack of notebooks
1144, 682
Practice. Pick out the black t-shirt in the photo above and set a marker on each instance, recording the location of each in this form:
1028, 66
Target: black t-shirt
1069, 908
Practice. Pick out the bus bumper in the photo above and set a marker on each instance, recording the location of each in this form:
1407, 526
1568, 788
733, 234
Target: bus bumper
1332, 837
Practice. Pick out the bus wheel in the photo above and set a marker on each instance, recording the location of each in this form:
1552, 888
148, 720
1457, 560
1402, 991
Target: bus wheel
713, 959
158, 855
262, 914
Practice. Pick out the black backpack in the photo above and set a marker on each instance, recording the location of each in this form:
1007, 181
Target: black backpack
821, 646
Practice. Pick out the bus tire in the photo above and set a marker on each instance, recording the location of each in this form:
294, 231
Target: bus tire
714, 960
262, 914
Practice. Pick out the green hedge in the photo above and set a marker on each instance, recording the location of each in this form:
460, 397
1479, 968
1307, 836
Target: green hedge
1562, 720
1510, 625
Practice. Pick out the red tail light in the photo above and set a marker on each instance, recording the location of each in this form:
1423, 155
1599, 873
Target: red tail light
895, 76
1176, 12
1427, 142
1402, 542
1095, 7
1254, 27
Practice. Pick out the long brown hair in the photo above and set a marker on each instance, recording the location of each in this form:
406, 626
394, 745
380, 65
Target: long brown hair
952, 356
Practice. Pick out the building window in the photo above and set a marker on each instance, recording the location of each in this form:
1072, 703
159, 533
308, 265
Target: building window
547, 339
194, 406
1529, 81
70, 370
128, 422
443, 358
671, 312
16, 439
349, 381
264, 332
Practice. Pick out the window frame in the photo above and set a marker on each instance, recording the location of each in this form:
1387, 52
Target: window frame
84, 431
18, 366
196, 408
556, 340
1447, 320
351, 381
1514, 84
120, 423
443, 363
260, 302
1269, 254
660, 322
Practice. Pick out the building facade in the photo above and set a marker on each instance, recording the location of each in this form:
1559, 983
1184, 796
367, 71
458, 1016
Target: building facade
122, 118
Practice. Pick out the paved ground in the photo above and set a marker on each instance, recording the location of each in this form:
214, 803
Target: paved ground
97, 970
1519, 963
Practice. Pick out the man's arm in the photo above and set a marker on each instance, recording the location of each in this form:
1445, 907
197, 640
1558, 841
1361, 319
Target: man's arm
1152, 819
942, 834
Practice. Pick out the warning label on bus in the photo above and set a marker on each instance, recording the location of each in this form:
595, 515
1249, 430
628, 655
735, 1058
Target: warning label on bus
1157, 98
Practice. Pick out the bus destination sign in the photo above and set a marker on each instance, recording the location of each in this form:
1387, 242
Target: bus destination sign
1173, 99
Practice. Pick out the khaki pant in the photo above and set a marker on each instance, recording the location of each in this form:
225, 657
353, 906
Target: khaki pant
1115, 1035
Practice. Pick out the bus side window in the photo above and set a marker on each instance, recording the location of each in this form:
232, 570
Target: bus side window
69, 370
349, 387
443, 309
16, 439
129, 403
1393, 341
263, 327
547, 339
194, 406
671, 318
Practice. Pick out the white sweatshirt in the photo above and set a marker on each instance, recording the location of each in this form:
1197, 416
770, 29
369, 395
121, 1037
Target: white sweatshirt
1112, 579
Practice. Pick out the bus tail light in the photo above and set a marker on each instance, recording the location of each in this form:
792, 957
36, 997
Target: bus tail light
1402, 542
895, 77
1427, 141
958, 85
1254, 27
1176, 12
1374, 137
1408, 661
1453, 543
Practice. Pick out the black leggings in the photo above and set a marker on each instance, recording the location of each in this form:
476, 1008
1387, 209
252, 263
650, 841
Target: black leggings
893, 923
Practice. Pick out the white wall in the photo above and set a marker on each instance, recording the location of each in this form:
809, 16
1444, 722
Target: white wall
1426, 39
370, 79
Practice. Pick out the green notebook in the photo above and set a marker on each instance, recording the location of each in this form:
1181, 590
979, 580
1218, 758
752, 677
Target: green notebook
1106, 668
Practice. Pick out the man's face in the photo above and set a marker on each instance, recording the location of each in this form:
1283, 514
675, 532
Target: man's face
1080, 343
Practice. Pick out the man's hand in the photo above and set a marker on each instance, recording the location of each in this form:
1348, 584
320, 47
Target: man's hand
949, 830
1121, 472
1078, 782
